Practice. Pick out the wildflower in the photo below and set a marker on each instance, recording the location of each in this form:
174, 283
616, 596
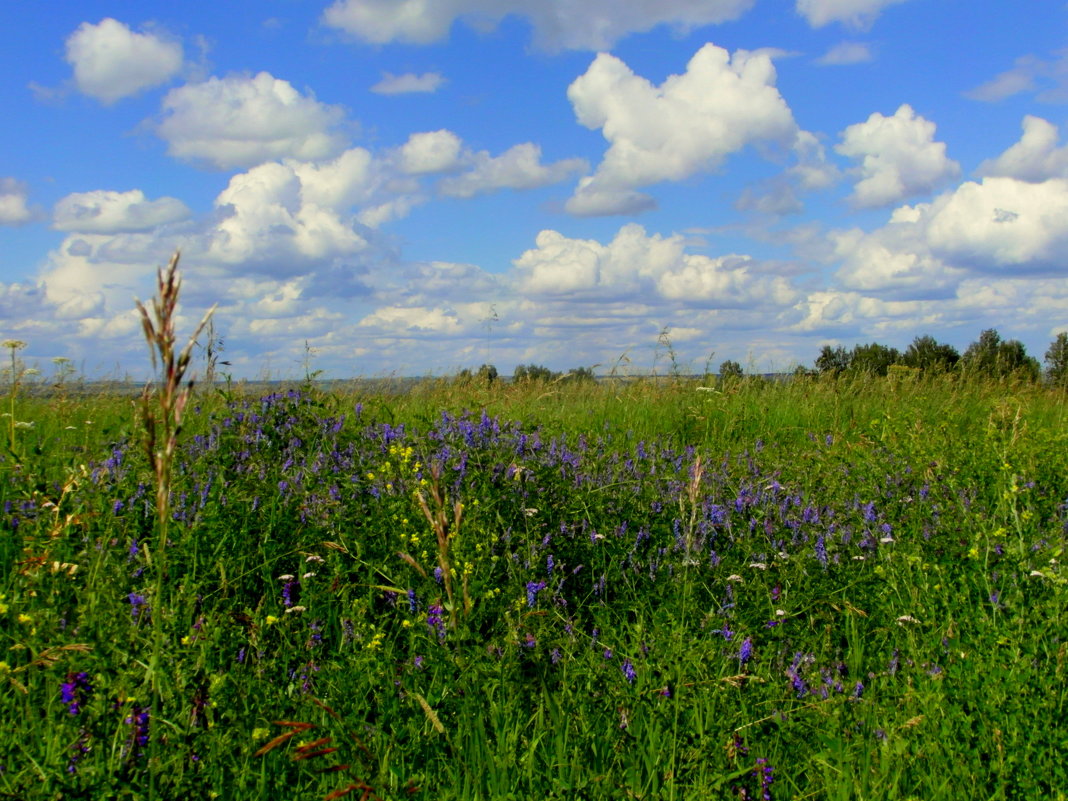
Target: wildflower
529, 641
766, 778
75, 690
746, 651
271, 620
138, 606
435, 622
533, 588
138, 720
628, 671
858, 690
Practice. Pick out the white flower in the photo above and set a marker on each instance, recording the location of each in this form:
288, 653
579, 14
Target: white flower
901, 621
308, 575
286, 577
734, 577
314, 558
758, 565
295, 609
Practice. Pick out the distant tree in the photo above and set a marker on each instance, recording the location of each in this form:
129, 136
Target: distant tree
992, 357
832, 360
873, 359
929, 355
487, 373
802, 372
1057, 360
731, 369
579, 375
533, 372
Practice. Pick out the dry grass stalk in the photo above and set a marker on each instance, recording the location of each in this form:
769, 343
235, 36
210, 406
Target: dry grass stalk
163, 418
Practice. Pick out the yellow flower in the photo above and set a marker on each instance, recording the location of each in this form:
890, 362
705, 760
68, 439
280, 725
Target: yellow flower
25, 619
3, 606
406, 623
4, 668
271, 620
260, 733
186, 640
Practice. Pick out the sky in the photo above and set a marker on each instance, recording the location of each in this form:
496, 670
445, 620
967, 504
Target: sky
414, 187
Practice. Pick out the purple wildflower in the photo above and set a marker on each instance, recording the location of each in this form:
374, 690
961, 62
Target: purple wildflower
435, 622
289, 590
766, 778
77, 751
138, 606
858, 690
628, 671
138, 720
533, 588
821, 550
746, 651
75, 691
411, 601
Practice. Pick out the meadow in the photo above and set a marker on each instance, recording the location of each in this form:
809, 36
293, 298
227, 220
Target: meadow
806, 589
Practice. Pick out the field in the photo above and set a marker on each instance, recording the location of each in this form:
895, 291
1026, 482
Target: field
791, 590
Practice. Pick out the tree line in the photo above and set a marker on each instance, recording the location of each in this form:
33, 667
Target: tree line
990, 356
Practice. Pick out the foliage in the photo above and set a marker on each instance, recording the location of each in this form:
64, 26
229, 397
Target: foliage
832, 361
533, 373
873, 359
992, 357
730, 371
1057, 360
927, 354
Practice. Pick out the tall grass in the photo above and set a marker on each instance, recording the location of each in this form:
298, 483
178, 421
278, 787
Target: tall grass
805, 589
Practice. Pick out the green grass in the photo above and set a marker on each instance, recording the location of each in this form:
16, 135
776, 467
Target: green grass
683, 527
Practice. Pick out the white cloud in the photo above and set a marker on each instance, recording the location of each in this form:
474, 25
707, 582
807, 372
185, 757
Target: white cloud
112, 62
1003, 224
998, 227
846, 53
408, 83
1035, 157
558, 24
643, 267
519, 167
268, 220
239, 121
688, 124
13, 208
899, 158
431, 152
106, 212
1048, 78
854, 13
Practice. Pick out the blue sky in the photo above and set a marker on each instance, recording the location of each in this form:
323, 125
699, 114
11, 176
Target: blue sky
416, 186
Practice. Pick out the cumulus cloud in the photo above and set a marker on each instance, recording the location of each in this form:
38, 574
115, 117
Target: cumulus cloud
519, 167
688, 124
111, 62
637, 265
13, 207
1003, 224
1035, 157
242, 120
853, 13
899, 158
846, 53
557, 24
266, 219
107, 212
408, 83
1000, 227
431, 152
